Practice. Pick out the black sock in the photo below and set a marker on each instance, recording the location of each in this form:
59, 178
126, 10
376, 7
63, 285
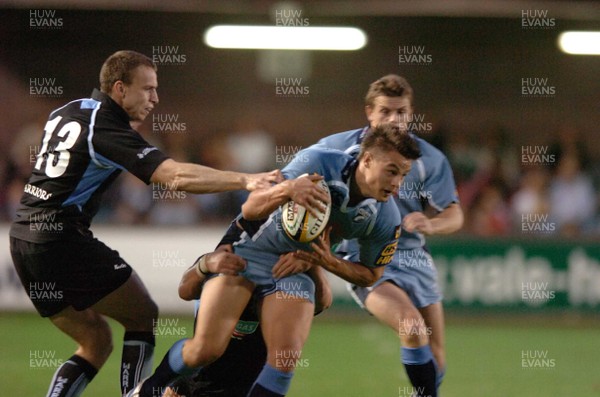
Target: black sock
423, 379
421, 370
163, 375
71, 377
136, 361
259, 391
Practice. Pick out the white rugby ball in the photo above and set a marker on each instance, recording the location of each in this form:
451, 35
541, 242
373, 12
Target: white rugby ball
299, 224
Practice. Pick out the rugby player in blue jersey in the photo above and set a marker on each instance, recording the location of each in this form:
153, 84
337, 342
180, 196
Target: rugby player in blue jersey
407, 297
360, 191
234, 373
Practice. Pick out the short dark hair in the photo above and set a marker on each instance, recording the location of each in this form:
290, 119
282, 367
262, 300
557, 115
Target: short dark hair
390, 85
119, 66
387, 138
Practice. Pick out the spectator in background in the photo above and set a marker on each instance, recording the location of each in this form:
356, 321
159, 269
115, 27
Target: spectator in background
489, 215
251, 148
572, 197
569, 139
532, 195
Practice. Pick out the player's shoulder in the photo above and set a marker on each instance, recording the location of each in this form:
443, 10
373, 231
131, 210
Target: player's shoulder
323, 152
341, 140
427, 149
324, 155
73, 107
431, 158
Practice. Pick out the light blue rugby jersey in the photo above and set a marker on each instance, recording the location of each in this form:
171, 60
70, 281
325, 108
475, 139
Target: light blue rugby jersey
375, 225
430, 180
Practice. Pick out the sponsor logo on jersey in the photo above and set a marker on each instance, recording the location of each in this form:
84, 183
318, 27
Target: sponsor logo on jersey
363, 213
387, 254
121, 266
244, 328
37, 192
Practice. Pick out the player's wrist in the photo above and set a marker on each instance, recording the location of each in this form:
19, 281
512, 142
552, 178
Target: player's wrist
201, 266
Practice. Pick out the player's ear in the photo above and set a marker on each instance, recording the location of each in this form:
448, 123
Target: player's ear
367, 158
118, 88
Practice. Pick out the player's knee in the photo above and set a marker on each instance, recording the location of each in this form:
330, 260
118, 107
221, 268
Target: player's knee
151, 313
143, 318
286, 358
412, 330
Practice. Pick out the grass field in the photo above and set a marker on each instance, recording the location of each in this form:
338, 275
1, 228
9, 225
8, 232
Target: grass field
354, 358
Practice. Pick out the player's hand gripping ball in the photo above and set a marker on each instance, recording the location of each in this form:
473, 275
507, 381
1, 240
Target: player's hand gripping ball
299, 224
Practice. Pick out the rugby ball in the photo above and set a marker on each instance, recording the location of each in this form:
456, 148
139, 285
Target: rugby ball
299, 224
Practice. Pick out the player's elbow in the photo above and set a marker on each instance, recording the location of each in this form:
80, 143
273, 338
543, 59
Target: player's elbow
366, 281
370, 277
185, 292
169, 173
188, 289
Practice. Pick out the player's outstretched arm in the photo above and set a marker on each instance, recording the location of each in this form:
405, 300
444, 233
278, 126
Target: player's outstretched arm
447, 221
196, 178
304, 191
223, 260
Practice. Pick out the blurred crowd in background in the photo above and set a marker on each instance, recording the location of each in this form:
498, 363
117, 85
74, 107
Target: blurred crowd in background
548, 189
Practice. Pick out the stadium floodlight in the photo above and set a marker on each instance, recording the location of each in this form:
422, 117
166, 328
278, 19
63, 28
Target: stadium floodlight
580, 43
285, 37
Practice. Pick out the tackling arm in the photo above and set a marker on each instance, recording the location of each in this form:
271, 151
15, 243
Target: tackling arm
223, 260
195, 178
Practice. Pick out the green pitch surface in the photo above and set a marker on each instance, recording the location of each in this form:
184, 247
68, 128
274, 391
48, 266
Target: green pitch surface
495, 357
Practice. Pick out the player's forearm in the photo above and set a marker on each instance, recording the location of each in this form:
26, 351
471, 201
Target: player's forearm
352, 272
190, 285
195, 178
261, 203
448, 221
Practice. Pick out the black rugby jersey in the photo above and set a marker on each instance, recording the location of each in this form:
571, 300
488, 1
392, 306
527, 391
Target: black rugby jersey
86, 145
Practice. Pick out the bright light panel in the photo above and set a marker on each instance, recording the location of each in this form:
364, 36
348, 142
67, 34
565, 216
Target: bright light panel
285, 37
580, 43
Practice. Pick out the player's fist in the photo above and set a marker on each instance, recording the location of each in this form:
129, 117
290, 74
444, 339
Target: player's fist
417, 222
305, 192
224, 262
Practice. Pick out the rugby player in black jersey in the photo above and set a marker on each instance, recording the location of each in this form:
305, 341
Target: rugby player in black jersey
71, 277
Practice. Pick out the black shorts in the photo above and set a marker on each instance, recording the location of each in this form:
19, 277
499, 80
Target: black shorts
75, 273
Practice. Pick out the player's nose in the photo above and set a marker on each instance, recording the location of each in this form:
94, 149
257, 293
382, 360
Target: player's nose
154, 97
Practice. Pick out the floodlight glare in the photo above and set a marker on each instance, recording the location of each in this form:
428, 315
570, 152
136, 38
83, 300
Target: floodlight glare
580, 43
285, 37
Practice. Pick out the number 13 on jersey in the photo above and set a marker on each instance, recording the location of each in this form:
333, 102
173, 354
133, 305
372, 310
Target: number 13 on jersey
57, 156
